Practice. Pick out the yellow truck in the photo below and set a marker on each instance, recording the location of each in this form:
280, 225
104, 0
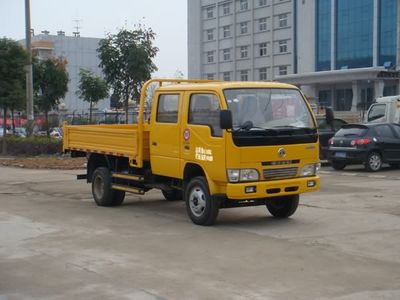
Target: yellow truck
213, 144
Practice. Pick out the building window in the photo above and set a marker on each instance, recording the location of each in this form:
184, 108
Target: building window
210, 76
244, 28
262, 2
263, 49
226, 9
283, 46
210, 34
210, 12
244, 75
283, 20
282, 70
244, 51
244, 5
226, 31
262, 74
226, 76
210, 57
323, 34
325, 98
262, 24
343, 99
387, 33
354, 38
226, 54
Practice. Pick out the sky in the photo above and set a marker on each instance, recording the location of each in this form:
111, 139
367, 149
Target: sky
96, 18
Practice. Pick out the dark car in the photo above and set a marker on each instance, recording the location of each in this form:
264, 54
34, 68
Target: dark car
326, 132
368, 144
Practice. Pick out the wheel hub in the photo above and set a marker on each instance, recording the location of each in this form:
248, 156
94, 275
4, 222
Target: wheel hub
375, 162
98, 187
197, 201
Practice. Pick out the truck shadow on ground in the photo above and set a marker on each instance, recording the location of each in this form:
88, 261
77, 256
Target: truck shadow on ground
249, 217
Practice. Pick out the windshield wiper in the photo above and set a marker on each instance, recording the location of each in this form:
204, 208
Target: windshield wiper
246, 126
295, 128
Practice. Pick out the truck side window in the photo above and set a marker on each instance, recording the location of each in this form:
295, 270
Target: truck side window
167, 109
204, 110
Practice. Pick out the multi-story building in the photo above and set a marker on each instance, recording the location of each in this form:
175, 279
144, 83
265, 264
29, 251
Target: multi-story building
79, 52
341, 53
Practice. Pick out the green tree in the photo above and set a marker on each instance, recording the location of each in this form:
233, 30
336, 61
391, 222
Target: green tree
127, 61
13, 59
50, 84
91, 88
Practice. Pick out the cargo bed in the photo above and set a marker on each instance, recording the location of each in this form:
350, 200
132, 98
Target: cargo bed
118, 140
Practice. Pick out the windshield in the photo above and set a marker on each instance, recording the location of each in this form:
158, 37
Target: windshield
376, 112
268, 108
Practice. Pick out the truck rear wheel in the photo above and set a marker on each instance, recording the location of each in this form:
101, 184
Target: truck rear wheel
102, 191
283, 207
201, 207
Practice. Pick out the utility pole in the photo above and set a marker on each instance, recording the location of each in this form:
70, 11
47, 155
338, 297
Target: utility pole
29, 76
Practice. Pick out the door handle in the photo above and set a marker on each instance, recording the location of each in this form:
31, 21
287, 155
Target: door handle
154, 143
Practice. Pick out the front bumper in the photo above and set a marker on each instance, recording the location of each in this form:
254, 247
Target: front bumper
273, 188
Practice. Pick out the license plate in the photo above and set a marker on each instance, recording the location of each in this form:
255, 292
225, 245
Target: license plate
340, 154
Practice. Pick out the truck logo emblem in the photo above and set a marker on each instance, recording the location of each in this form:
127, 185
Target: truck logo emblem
282, 152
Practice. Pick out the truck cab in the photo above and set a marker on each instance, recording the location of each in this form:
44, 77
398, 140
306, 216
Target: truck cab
269, 148
385, 109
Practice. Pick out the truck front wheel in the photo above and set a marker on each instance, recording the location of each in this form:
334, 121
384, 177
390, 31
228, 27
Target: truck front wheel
283, 207
201, 207
102, 191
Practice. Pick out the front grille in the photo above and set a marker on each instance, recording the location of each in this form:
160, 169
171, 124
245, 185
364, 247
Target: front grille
280, 173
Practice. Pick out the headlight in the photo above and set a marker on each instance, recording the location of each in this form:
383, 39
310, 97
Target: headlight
238, 175
309, 170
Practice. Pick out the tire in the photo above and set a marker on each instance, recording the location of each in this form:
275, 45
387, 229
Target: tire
200, 206
373, 162
102, 192
283, 207
172, 195
338, 165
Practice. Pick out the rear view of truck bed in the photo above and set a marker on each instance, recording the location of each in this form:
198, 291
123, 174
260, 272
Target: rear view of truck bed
118, 140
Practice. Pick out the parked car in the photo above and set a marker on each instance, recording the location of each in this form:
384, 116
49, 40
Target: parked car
56, 132
370, 144
20, 132
325, 132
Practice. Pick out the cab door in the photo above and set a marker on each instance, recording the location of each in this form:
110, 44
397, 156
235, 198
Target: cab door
203, 140
164, 135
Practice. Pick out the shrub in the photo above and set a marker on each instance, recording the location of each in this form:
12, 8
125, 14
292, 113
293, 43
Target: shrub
32, 146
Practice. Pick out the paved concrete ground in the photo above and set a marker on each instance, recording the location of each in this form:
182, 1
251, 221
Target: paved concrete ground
343, 243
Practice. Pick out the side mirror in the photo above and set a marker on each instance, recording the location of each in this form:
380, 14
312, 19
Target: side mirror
329, 115
225, 119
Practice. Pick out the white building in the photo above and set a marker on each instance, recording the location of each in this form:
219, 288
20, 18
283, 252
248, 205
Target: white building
341, 53
80, 52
